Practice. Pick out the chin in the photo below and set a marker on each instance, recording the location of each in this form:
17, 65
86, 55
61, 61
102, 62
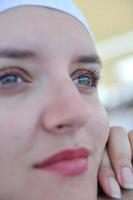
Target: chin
55, 187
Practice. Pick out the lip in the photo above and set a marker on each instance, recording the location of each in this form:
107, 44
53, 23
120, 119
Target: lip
67, 162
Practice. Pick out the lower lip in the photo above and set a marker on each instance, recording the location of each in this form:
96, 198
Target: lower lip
69, 167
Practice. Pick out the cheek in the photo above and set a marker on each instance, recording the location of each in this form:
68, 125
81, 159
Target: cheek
14, 137
99, 130
101, 127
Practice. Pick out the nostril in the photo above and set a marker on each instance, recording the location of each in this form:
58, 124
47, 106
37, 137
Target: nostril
64, 126
60, 126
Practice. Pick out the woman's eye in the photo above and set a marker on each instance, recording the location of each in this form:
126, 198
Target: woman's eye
12, 77
87, 78
83, 80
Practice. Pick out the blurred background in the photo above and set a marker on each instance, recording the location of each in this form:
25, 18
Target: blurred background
112, 24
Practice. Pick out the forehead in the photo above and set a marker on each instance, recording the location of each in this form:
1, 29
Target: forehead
39, 26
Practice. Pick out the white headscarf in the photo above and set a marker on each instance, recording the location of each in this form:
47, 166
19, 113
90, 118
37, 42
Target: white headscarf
66, 6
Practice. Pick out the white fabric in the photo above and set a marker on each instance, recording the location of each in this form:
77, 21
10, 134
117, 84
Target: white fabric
66, 6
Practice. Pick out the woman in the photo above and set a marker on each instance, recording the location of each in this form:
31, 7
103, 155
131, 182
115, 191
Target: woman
53, 127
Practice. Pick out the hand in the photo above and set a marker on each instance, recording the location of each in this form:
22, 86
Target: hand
116, 168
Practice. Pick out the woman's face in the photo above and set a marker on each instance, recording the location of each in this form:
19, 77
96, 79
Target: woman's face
49, 73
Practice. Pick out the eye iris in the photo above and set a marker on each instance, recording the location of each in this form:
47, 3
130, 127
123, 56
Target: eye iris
9, 79
84, 80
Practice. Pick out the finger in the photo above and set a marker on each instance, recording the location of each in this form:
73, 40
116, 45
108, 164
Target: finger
120, 155
130, 135
107, 179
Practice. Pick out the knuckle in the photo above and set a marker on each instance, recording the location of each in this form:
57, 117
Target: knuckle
123, 159
117, 130
130, 134
106, 171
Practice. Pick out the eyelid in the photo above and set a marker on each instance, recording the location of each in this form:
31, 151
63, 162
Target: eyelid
16, 71
80, 72
92, 72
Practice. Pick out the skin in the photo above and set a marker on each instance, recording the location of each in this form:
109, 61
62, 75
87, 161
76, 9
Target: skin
118, 154
48, 112
126, 194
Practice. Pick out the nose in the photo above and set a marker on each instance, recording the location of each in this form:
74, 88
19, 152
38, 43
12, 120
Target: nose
66, 111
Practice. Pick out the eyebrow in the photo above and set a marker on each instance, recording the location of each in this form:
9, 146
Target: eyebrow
16, 53
13, 53
89, 59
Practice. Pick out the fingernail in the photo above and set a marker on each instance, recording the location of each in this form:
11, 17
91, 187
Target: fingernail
127, 177
114, 188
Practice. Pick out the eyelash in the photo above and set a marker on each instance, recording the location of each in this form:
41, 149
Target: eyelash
92, 74
16, 73
80, 77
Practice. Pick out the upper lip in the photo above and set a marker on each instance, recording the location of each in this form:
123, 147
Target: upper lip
67, 154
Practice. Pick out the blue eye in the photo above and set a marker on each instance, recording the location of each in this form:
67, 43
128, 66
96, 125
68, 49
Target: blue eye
13, 76
10, 79
86, 77
83, 80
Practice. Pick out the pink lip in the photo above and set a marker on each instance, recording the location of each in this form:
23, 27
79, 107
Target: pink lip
67, 162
